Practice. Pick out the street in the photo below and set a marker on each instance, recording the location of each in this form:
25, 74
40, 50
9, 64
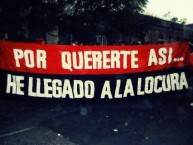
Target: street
142, 121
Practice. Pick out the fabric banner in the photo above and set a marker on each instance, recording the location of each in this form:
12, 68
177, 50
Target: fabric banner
92, 72
191, 61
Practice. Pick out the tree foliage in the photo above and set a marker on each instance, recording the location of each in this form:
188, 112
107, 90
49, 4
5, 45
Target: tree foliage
82, 16
174, 19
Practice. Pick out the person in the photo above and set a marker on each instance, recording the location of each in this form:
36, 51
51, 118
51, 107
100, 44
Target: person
4, 37
74, 43
160, 41
41, 40
138, 42
191, 46
122, 43
134, 43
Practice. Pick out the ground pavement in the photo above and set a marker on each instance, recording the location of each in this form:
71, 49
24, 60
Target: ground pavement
164, 120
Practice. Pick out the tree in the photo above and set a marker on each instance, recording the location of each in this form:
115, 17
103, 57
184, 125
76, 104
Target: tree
174, 19
76, 16
15, 16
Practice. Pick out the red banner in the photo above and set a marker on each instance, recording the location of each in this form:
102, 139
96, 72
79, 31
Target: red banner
92, 72
191, 61
91, 60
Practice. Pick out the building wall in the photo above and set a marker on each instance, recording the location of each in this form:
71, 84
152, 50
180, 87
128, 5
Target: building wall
162, 30
188, 32
157, 30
